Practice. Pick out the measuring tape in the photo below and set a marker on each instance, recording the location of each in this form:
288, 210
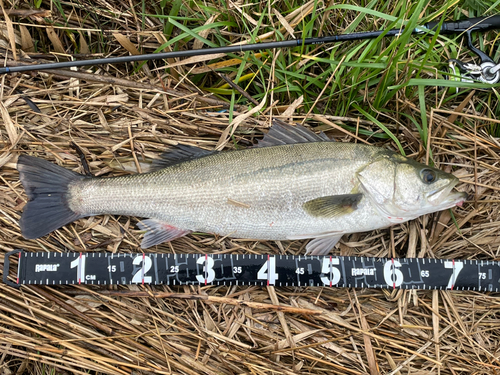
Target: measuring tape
51, 268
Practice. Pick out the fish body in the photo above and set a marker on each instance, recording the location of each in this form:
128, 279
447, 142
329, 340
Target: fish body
253, 193
297, 188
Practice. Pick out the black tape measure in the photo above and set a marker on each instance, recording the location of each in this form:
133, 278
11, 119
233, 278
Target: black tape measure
51, 268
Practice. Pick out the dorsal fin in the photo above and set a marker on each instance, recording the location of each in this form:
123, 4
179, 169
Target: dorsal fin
178, 154
283, 134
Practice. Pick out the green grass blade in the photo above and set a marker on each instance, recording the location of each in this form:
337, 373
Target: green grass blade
382, 126
174, 11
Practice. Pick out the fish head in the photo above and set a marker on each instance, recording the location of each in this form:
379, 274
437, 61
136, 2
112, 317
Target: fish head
404, 189
422, 189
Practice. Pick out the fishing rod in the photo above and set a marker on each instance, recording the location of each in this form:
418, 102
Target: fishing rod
487, 71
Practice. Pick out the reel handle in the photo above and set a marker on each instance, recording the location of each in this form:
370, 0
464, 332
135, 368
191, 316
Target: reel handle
469, 24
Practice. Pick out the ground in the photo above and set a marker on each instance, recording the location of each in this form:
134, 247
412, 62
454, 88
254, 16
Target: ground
388, 92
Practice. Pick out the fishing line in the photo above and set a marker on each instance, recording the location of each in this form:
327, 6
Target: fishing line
97, 268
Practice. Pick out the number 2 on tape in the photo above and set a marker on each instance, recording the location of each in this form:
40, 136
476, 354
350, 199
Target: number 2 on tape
140, 276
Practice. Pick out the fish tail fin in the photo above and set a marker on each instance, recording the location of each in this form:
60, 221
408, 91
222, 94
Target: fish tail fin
46, 186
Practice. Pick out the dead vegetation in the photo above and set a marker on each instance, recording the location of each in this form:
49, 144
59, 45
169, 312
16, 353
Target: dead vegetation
121, 120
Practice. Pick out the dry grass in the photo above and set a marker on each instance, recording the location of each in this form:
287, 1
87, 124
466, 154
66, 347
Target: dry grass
120, 121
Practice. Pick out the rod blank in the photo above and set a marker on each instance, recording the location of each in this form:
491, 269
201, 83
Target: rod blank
473, 24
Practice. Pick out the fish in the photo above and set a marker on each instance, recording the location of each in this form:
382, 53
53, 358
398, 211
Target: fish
293, 185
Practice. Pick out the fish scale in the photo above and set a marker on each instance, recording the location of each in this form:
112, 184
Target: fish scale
293, 185
273, 183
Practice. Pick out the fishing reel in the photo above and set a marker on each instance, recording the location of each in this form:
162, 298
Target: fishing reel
486, 72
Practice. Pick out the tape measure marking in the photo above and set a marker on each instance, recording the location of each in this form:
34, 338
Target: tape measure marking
45, 268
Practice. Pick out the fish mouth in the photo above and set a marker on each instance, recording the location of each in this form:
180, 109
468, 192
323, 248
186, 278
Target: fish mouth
455, 199
444, 198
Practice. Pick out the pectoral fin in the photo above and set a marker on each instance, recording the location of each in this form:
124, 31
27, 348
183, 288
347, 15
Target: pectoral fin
332, 206
158, 232
321, 246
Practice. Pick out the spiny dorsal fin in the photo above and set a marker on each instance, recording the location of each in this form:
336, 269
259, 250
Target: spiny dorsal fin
283, 134
332, 206
177, 154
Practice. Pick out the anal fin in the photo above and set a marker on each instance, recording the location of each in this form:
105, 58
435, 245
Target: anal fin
158, 232
322, 245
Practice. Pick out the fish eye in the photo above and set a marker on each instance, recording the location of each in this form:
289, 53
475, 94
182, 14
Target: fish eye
428, 176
